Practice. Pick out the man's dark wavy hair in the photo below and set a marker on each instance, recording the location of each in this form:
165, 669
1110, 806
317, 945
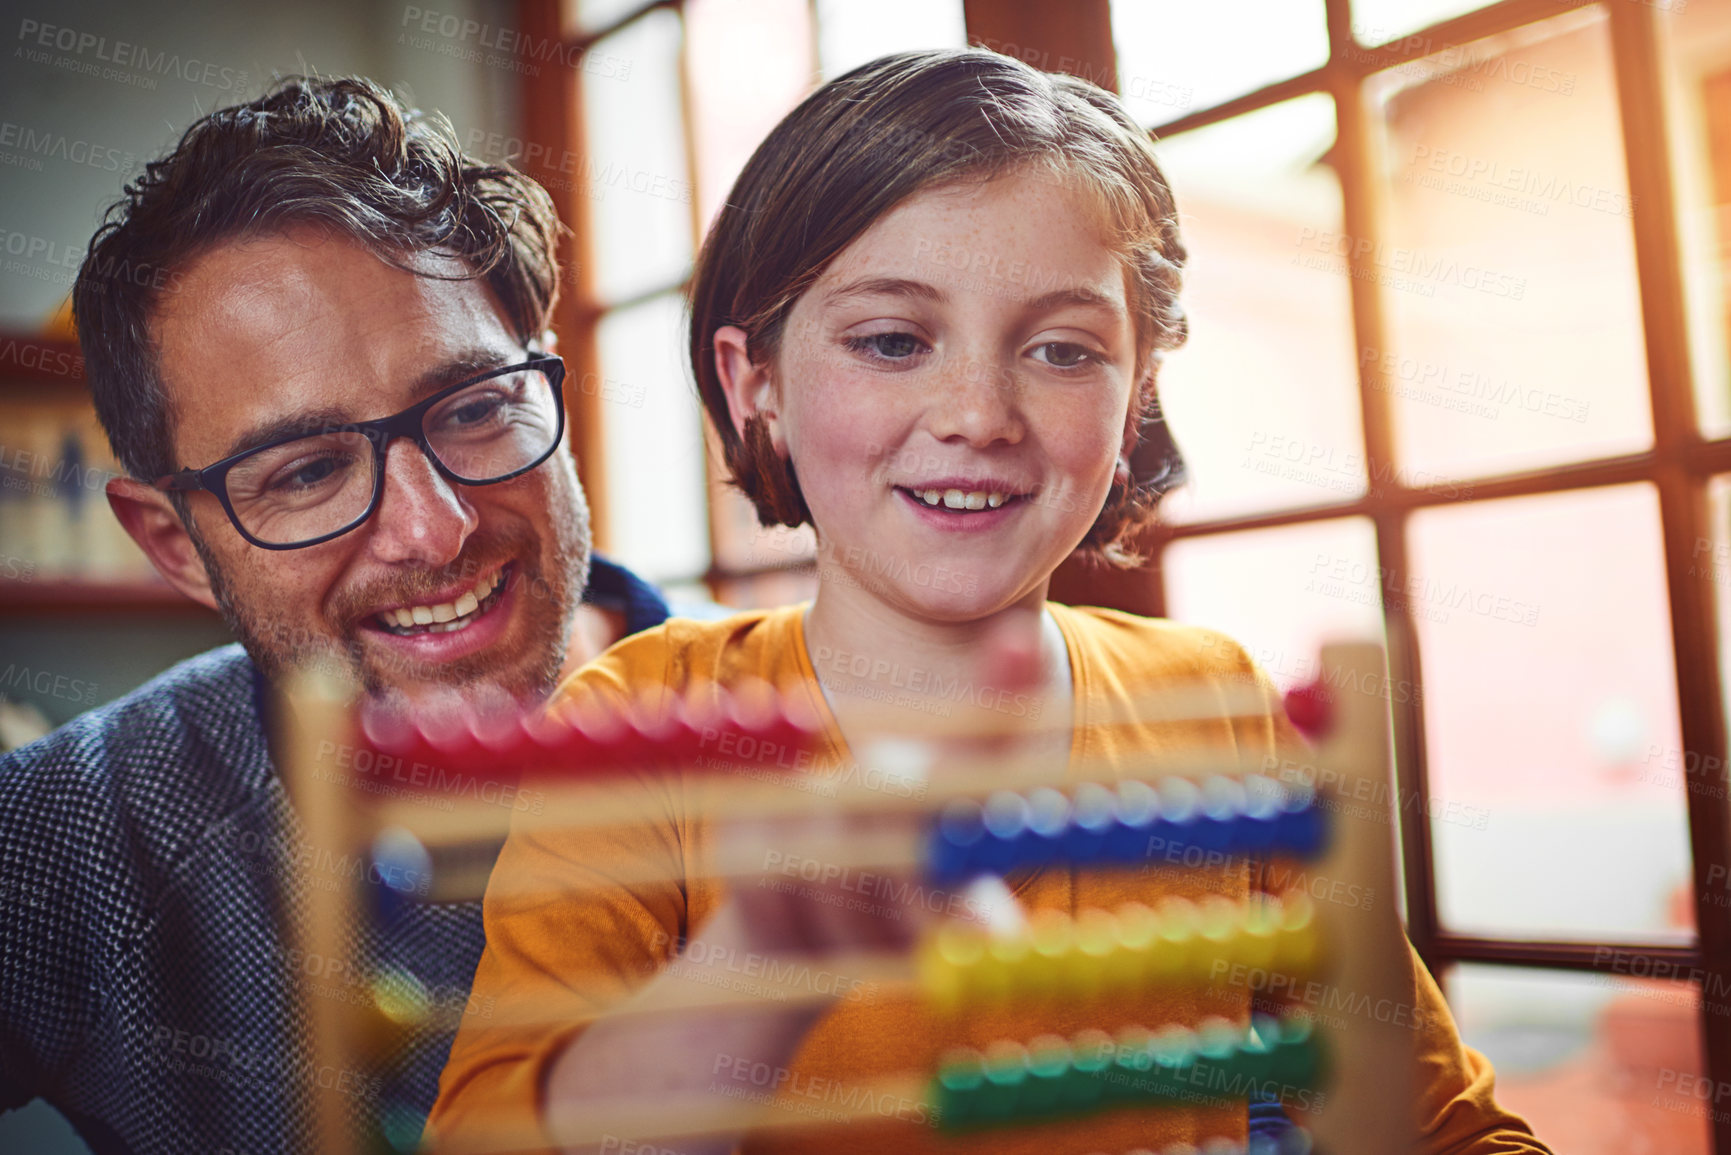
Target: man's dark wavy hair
340, 153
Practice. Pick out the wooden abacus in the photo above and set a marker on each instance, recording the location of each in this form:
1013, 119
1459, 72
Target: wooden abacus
986, 816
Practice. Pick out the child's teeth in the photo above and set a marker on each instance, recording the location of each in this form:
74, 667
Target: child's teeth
961, 499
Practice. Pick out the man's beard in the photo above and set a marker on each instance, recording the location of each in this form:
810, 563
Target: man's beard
549, 595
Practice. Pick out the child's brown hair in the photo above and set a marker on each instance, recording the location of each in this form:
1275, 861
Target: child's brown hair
867, 141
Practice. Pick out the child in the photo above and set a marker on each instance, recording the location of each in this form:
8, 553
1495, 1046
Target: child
927, 321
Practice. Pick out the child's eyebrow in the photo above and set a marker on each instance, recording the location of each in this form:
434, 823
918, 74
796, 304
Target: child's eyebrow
885, 287
1082, 298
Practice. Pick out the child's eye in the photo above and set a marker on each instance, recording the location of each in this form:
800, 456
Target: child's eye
1063, 354
885, 346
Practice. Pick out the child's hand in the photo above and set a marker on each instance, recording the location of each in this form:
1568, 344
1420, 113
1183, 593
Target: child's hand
814, 898
823, 892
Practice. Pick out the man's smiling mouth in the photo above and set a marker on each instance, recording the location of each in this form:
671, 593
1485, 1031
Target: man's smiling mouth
445, 617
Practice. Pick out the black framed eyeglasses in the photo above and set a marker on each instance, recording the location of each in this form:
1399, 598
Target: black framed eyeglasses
307, 488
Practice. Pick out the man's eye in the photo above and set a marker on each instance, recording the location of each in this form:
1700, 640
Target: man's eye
308, 475
886, 346
473, 412
1064, 354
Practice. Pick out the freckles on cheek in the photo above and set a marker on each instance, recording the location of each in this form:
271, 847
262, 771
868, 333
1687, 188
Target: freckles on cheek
837, 418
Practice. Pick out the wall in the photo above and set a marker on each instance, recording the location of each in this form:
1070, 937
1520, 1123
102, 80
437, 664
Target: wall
117, 83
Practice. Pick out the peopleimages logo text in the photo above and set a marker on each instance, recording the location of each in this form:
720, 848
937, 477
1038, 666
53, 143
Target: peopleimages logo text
92, 47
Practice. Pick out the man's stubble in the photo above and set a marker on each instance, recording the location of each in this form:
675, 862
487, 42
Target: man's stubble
549, 582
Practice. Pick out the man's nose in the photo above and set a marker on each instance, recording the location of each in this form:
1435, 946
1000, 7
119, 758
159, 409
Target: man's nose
421, 518
978, 400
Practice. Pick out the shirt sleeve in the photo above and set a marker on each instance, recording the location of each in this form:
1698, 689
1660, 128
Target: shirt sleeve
1457, 1109
48, 972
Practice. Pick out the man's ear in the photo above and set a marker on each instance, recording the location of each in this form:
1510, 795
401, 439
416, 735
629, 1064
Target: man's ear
150, 520
750, 388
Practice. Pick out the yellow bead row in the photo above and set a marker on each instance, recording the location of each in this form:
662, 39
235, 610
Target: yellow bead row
1133, 948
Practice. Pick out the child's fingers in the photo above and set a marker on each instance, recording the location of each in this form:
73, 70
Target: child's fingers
816, 893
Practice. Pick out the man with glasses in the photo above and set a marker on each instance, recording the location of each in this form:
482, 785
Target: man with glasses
316, 335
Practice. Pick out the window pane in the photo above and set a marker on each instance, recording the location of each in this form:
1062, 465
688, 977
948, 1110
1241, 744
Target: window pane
1695, 39
1282, 593
850, 33
1508, 268
1598, 1065
749, 63
640, 196
1174, 55
742, 543
1379, 21
1550, 702
1712, 564
1262, 397
654, 437
593, 15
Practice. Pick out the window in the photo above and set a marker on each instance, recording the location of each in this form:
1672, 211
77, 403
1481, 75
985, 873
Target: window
1466, 273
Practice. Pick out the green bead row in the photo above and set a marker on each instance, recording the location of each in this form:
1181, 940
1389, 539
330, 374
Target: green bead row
1051, 1077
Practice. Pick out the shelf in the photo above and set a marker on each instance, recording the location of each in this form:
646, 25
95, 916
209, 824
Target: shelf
32, 360
70, 596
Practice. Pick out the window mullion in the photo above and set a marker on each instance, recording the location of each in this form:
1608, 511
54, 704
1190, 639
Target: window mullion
1683, 512
1359, 169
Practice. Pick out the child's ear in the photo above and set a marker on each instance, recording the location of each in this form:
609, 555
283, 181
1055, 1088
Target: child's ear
1133, 418
750, 388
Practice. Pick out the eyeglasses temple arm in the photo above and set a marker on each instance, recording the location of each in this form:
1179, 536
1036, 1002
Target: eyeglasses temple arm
184, 480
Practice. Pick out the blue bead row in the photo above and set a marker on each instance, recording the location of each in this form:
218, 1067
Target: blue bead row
1178, 823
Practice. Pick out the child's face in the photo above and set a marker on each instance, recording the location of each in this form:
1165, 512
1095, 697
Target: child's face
974, 347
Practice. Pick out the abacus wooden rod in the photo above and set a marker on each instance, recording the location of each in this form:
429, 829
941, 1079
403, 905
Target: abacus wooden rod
899, 851
1227, 698
1032, 975
725, 794
890, 849
670, 1119
1170, 705
1033, 1081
